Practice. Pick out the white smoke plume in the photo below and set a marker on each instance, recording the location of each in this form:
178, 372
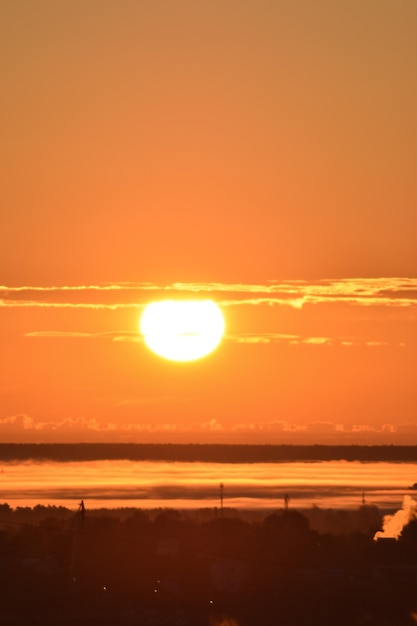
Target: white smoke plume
393, 524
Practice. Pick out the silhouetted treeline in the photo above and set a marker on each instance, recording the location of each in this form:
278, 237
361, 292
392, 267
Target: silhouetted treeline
208, 568
210, 453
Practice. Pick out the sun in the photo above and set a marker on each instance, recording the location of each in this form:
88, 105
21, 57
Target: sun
182, 330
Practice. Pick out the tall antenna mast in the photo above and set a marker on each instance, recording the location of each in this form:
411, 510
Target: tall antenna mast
221, 499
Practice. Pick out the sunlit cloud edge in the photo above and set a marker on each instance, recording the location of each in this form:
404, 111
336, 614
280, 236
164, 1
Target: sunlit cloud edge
24, 427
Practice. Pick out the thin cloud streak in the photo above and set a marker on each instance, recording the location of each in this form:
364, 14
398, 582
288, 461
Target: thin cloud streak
67, 305
385, 292
64, 334
267, 338
59, 333
379, 293
244, 338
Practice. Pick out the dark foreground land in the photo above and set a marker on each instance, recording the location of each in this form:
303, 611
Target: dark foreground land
203, 568
205, 453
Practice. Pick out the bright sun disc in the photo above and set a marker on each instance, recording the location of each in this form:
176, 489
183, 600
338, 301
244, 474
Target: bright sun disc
182, 330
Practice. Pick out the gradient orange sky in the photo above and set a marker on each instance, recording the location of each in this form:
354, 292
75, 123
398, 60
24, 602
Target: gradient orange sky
258, 153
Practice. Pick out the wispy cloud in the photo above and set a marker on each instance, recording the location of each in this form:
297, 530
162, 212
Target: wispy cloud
395, 291
121, 336
379, 294
280, 338
242, 338
59, 333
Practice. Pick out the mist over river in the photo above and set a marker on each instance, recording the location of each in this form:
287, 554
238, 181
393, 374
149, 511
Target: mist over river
186, 485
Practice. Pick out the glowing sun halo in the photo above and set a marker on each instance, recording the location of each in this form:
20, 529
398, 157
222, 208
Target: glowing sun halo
182, 330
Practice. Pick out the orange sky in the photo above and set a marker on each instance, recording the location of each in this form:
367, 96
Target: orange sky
258, 153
